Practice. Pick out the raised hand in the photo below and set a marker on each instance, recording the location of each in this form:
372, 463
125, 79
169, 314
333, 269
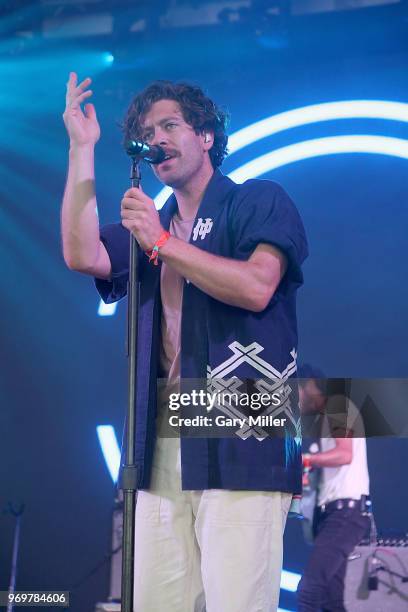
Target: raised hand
82, 125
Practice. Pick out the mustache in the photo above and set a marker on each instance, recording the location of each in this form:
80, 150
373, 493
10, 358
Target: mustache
172, 152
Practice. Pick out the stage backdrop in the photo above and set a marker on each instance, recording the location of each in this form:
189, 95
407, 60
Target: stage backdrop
63, 367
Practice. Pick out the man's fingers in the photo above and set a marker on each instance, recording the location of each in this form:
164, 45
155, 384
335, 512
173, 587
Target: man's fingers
137, 219
90, 111
75, 94
73, 104
71, 84
84, 83
135, 193
132, 191
134, 209
83, 96
134, 204
72, 81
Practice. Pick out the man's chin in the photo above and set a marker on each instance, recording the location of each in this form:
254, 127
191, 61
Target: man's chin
170, 179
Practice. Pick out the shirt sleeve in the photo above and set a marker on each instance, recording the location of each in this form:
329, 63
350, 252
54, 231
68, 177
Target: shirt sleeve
115, 238
264, 213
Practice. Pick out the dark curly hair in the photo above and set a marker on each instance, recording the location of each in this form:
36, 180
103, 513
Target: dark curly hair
327, 386
307, 372
198, 111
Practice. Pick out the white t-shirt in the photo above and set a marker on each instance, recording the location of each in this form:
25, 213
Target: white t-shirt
350, 480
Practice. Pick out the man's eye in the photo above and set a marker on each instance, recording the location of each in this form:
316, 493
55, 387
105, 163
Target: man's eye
171, 125
147, 137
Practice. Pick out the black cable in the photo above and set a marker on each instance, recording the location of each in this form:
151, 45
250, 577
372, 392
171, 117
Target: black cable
101, 563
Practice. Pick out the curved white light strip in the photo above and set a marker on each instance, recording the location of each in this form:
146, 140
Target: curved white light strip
162, 196
383, 145
289, 581
110, 449
351, 109
328, 111
106, 310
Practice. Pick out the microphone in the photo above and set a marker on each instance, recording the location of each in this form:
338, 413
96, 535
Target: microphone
153, 154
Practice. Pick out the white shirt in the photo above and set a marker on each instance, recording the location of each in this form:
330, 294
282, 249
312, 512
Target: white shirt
350, 480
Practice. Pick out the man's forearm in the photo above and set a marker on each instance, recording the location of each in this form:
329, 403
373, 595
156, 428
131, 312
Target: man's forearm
79, 220
237, 283
332, 458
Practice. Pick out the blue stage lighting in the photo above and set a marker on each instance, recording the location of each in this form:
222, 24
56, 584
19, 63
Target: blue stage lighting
106, 310
108, 58
110, 449
289, 581
351, 109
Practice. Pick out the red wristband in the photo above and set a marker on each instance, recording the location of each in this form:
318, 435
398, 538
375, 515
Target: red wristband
306, 461
154, 253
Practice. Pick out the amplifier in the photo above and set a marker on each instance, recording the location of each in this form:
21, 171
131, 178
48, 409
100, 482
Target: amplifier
377, 579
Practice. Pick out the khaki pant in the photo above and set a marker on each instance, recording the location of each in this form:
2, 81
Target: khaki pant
206, 551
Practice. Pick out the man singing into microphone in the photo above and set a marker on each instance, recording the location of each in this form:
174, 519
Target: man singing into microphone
220, 303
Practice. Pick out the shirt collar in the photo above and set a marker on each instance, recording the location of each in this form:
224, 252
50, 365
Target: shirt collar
215, 194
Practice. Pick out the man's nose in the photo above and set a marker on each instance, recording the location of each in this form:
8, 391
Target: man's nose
160, 137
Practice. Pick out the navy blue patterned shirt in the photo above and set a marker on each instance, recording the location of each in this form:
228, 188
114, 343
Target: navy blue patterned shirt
223, 342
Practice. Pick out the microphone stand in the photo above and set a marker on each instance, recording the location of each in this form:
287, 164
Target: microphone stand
16, 512
129, 477
129, 469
